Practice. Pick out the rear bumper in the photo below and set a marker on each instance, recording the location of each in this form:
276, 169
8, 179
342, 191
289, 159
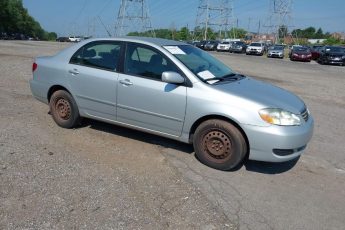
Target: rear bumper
39, 91
278, 143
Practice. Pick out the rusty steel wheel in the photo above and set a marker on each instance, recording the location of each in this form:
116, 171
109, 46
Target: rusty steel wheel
219, 144
64, 109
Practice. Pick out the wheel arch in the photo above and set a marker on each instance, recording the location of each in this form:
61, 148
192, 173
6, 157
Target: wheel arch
219, 117
55, 88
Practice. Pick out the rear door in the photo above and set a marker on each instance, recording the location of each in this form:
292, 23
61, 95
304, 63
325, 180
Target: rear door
143, 100
93, 78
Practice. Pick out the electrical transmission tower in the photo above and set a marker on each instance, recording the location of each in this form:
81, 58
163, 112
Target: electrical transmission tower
133, 16
280, 19
213, 14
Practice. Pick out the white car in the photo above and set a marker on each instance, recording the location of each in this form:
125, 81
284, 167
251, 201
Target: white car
74, 39
257, 48
223, 46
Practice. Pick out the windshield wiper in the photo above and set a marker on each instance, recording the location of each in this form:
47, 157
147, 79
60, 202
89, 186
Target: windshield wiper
231, 76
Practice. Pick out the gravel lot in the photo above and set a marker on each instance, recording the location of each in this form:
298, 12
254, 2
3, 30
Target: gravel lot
101, 176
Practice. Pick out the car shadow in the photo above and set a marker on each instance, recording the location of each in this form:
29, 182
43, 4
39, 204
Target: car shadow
249, 165
137, 135
269, 167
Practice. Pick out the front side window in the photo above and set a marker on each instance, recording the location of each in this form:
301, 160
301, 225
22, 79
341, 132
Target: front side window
144, 61
103, 55
202, 64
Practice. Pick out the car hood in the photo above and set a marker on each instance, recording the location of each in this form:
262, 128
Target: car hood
280, 51
336, 54
263, 94
301, 53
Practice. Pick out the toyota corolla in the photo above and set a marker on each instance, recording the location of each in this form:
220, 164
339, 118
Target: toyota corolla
174, 90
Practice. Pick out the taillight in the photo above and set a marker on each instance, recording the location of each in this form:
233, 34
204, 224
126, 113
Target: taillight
34, 66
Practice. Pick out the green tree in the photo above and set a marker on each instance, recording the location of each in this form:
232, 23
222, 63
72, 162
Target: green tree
14, 18
237, 33
319, 34
183, 34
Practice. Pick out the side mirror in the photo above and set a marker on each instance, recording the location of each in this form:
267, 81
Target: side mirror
172, 77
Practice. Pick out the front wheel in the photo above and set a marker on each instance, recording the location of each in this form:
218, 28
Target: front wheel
219, 144
64, 109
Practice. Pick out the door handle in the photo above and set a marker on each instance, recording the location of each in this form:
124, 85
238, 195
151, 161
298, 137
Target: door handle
126, 82
73, 72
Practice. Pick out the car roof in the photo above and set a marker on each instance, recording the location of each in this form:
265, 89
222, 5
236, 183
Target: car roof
147, 40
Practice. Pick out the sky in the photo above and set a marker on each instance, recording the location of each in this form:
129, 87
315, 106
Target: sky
85, 17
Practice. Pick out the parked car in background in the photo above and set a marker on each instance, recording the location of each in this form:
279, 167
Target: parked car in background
211, 45
62, 39
332, 55
291, 48
315, 52
257, 48
134, 82
200, 44
74, 39
238, 47
223, 46
276, 51
301, 54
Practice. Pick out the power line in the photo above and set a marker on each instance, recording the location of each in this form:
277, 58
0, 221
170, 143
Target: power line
217, 14
133, 16
280, 19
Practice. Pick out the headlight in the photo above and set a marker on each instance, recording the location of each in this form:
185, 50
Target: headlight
279, 117
343, 57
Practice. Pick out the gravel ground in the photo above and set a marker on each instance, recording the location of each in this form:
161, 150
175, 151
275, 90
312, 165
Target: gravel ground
101, 176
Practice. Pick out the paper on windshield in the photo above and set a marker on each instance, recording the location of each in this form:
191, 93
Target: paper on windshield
174, 50
206, 75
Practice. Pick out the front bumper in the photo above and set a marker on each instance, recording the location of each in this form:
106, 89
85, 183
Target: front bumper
301, 58
223, 48
278, 143
254, 51
279, 55
335, 61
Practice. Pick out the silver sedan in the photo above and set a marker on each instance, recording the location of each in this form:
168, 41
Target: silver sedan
174, 90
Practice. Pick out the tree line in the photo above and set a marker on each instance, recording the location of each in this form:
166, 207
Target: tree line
184, 34
15, 19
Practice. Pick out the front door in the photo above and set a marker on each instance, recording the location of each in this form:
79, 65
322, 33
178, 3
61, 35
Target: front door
143, 100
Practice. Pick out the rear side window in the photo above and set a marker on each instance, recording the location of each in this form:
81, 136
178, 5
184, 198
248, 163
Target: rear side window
102, 55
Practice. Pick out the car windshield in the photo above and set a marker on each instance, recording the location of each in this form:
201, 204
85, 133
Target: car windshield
302, 49
225, 43
202, 64
277, 48
255, 44
238, 43
334, 49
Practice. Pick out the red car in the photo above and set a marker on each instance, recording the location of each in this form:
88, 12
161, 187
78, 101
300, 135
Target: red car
315, 52
301, 54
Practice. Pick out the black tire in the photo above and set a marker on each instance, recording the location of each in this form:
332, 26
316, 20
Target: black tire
219, 144
64, 109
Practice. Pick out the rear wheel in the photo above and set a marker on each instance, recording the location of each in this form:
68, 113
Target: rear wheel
64, 109
219, 144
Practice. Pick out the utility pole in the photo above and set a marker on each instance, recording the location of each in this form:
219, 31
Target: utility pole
280, 19
216, 15
133, 16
